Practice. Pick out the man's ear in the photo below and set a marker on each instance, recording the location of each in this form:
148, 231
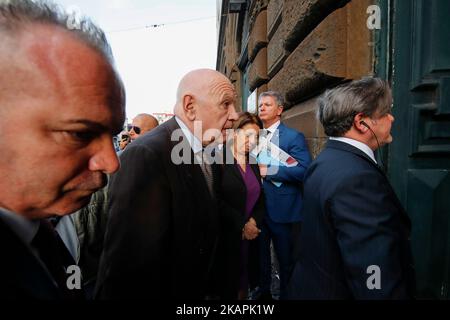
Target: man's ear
358, 121
189, 107
280, 110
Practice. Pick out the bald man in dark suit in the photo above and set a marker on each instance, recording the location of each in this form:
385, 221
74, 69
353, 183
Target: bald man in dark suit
163, 226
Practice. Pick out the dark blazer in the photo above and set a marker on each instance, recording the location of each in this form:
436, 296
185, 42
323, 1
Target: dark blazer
352, 220
22, 276
163, 223
284, 203
233, 194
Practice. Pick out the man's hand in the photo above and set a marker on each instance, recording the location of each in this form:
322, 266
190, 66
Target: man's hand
263, 170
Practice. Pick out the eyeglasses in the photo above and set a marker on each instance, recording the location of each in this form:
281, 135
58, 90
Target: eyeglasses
136, 129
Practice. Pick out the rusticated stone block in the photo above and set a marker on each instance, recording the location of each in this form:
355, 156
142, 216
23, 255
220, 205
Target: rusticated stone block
302, 16
276, 53
258, 35
331, 52
274, 14
255, 8
257, 74
230, 48
360, 49
303, 118
318, 62
261, 89
236, 80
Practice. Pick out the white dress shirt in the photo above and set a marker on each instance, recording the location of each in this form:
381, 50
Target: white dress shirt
357, 144
194, 142
68, 234
272, 129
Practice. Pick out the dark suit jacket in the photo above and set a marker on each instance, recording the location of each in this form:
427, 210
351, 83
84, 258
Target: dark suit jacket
352, 220
233, 194
163, 223
284, 203
22, 276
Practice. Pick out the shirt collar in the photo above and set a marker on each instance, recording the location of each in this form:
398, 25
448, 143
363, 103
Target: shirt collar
194, 142
273, 127
357, 144
24, 228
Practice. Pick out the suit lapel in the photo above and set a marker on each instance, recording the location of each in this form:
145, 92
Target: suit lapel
24, 269
347, 147
277, 135
191, 171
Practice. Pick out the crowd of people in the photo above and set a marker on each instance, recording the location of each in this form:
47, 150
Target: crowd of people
187, 209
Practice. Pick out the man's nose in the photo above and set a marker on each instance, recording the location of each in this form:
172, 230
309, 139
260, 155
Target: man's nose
233, 115
105, 158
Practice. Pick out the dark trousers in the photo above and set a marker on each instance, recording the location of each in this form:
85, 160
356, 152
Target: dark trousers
281, 235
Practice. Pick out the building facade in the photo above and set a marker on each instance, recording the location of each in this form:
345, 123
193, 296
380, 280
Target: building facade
302, 47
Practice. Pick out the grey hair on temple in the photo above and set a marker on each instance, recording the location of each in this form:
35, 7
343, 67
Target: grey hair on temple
339, 106
16, 14
274, 94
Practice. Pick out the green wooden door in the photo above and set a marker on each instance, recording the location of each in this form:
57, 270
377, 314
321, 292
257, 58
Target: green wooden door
418, 160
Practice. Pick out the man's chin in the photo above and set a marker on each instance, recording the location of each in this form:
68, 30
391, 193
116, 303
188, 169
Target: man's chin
387, 141
222, 137
72, 205
84, 200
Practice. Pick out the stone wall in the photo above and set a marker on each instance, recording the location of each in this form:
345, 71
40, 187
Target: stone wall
302, 47
231, 53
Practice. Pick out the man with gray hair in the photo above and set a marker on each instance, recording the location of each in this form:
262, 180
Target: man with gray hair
355, 237
283, 193
61, 102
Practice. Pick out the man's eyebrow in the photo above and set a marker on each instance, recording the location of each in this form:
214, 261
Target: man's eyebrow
88, 123
93, 125
228, 96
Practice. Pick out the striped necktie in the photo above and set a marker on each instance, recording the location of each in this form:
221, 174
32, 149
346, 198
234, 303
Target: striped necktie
202, 159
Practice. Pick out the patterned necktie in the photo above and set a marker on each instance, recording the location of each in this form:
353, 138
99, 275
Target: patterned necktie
264, 133
207, 170
269, 135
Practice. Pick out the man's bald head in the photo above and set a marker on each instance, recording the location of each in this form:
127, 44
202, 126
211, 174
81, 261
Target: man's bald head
206, 96
145, 122
199, 82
